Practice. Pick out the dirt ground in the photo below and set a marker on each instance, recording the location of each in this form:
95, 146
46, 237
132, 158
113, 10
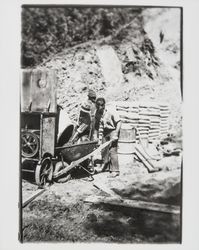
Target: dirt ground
61, 213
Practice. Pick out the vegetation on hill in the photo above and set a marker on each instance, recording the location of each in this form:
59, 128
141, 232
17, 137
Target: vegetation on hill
47, 31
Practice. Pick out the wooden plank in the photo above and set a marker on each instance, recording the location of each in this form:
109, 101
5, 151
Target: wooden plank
135, 204
141, 154
48, 132
32, 197
26, 98
106, 190
149, 167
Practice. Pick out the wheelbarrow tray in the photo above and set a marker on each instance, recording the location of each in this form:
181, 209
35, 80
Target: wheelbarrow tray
75, 163
76, 151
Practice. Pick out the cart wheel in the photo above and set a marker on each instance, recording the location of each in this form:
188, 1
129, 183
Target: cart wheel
44, 172
29, 144
58, 167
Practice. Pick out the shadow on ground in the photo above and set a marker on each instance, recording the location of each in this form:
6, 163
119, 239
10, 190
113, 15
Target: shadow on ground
135, 224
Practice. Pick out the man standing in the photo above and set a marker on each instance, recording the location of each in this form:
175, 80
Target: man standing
86, 118
108, 124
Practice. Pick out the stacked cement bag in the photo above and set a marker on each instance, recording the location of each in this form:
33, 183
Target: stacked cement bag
154, 113
164, 116
149, 119
144, 126
128, 114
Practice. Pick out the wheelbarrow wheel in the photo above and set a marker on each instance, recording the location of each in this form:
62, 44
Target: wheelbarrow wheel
44, 172
29, 144
58, 167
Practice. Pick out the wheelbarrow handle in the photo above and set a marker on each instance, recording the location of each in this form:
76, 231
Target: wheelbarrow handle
77, 162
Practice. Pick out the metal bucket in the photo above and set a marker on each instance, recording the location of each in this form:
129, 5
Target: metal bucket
127, 139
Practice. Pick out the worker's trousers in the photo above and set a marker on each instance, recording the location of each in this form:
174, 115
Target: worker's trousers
110, 153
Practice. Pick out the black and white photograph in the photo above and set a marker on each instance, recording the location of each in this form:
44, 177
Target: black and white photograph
101, 147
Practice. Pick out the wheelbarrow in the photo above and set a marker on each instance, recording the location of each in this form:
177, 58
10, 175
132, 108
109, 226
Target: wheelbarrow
71, 156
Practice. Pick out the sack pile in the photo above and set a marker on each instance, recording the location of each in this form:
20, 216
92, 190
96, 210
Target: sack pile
151, 120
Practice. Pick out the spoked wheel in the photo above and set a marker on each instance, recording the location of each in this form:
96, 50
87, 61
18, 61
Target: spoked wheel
44, 172
63, 178
29, 144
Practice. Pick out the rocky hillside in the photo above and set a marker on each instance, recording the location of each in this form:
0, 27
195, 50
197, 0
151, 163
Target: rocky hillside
138, 61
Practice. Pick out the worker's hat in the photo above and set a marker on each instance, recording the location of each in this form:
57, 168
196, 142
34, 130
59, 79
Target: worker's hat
91, 93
